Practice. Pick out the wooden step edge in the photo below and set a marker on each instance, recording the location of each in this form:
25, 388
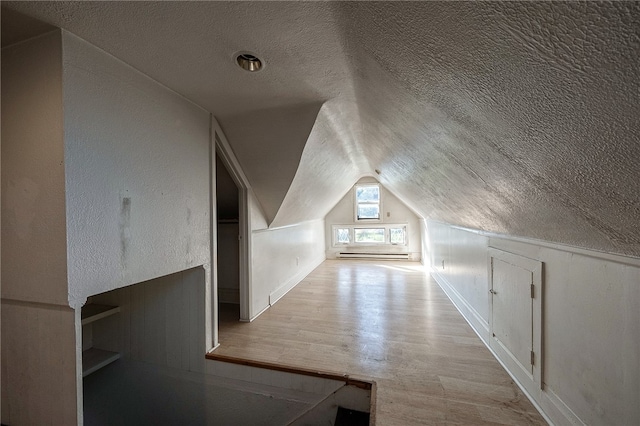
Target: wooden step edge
363, 384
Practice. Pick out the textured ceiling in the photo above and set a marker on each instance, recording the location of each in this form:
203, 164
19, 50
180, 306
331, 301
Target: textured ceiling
515, 117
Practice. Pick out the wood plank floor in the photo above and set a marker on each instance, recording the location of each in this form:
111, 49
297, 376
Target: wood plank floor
391, 323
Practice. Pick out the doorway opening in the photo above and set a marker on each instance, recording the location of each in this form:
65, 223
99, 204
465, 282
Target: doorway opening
228, 243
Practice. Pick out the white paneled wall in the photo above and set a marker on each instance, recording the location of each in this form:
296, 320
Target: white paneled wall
38, 364
591, 319
161, 321
281, 258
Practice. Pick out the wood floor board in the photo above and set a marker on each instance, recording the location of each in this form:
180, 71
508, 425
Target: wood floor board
391, 323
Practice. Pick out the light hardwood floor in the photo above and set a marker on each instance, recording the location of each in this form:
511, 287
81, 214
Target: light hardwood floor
391, 323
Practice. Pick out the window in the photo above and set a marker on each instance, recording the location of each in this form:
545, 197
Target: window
354, 235
343, 235
369, 235
367, 202
397, 235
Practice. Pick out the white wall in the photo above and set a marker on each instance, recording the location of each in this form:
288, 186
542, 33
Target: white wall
137, 175
343, 214
38, 364
113, 192
591, 319
38, 327
34, 261
281, 258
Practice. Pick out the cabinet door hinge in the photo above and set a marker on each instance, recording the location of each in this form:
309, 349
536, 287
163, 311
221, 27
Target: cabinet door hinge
532, 358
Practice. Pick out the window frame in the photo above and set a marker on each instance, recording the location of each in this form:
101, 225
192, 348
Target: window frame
387, 235
356, 204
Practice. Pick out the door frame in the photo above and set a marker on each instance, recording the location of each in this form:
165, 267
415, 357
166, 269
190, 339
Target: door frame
222, 149
533, 383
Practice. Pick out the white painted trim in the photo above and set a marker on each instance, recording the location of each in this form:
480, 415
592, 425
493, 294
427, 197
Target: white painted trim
597, 254
482, 332
531, 399
533, 380
379, 256
257, 315
211, 291
354, 198
233, 165
363, 246
79, 381
548, 404
276, 228
479, 325
295, 280
556, 411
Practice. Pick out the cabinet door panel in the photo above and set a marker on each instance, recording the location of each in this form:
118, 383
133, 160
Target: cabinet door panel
512, 311
516, 316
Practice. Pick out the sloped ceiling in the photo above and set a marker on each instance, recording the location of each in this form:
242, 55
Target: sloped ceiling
515, 117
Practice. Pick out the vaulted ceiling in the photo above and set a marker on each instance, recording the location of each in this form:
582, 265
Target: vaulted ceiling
517, 117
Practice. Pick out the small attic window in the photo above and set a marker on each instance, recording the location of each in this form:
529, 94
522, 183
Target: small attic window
367, 205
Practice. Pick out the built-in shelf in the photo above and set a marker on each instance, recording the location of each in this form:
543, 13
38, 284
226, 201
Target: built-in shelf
227, 221
94, 359
93, 312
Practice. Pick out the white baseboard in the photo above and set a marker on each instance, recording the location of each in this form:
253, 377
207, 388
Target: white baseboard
548, 404
479, 325
256, 315
295, 280
557, 412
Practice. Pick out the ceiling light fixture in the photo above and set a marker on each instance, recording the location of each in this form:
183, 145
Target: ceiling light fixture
249, 62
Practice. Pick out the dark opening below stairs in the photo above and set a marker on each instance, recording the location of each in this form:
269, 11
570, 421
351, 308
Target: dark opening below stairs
346, 417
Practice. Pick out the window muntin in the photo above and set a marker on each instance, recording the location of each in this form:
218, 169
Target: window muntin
343, 235
397, 235
369, 235
358, 235
367, 202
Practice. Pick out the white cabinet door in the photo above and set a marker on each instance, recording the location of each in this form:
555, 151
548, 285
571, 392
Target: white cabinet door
516, 314
512, 315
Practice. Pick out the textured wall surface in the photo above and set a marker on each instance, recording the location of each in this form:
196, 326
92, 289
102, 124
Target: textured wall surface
137, 172
519, 118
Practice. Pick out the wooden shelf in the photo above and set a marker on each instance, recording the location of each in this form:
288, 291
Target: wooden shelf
227, 221
94, 359
92, 312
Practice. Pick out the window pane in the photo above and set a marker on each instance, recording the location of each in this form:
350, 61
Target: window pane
368, 194
396, 235
343, 235
371, 235
368, 211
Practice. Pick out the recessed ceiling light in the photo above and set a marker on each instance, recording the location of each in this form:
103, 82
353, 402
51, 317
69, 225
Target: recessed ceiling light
249, 62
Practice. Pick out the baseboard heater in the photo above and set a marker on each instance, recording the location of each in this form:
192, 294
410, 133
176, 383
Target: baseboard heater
351, 255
